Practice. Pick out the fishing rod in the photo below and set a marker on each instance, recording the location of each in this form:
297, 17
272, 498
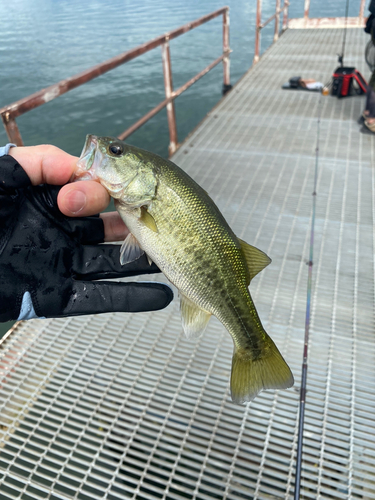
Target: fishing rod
302, 397
341, 56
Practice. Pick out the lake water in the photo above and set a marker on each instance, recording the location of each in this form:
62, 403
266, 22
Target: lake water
44, 41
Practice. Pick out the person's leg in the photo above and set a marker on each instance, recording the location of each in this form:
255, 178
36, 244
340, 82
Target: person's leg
370, 101
369, 112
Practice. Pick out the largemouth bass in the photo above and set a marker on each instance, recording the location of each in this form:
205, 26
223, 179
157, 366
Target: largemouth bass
175, 222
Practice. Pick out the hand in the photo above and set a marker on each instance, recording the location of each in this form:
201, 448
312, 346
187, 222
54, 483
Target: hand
50, 165
48, 260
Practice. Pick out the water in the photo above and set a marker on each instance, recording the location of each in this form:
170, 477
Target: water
44, 41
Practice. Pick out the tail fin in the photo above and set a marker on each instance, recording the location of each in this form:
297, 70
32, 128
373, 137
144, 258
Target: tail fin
250, 374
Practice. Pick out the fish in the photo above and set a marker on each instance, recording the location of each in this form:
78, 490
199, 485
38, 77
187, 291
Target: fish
175, 222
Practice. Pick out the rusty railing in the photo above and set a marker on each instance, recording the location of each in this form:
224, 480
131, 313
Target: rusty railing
259, 25
10, 112
360, 16
344, 21
304, 22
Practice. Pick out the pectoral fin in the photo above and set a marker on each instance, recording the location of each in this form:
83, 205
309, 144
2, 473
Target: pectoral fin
256, 259
130, 250
147, 219
194, 319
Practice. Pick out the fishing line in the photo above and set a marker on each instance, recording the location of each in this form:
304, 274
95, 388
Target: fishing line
302, 398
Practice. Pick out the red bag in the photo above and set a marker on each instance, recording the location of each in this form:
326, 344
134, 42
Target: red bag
348, 81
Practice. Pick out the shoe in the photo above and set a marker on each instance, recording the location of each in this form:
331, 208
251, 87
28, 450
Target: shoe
361, 120
366, 130
370, 126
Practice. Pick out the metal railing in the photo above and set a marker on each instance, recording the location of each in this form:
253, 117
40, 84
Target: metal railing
307, 9
300, 23
10, 112
259, 25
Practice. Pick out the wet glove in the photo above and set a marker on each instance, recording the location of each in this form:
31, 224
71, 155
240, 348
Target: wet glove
48, 261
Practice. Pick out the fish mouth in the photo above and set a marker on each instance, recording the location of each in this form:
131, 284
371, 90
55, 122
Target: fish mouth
90, 158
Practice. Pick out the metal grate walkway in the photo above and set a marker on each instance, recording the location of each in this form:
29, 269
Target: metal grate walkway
124, 407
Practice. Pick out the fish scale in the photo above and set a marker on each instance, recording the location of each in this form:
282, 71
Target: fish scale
175, 222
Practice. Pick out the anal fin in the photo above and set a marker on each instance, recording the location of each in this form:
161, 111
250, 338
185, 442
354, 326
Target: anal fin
194, 319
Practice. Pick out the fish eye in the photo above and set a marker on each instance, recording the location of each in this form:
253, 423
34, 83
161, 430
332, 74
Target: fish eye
116, 149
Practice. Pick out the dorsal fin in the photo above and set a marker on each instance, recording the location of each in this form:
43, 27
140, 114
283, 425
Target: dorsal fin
256, 260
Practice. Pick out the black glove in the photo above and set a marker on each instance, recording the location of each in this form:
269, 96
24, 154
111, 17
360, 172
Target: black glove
52, 259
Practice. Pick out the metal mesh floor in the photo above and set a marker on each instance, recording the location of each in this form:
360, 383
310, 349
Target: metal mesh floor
122, 406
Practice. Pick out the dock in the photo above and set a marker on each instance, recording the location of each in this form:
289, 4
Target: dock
123, 406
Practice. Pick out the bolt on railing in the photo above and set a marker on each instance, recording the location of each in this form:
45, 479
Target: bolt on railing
10, 112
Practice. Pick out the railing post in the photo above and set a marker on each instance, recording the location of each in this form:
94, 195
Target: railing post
361, 10
285, 14
257, 31
11, 111
307, 9
277, 20
168, 85
11, 129
226, 62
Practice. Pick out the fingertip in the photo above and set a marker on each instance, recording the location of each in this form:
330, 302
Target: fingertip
144, 296
114, 227
82, 199
74, 202
162, 294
